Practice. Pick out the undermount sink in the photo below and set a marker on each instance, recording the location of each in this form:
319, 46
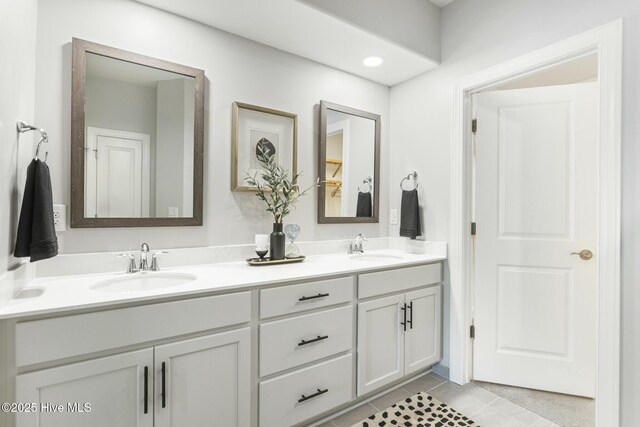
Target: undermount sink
374, 257
141, 282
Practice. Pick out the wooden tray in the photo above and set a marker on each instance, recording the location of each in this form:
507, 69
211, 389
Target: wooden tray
267, 261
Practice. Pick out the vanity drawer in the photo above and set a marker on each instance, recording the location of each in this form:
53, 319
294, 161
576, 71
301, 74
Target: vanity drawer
280, 397
384, 282
282, 343
296, 298
45, 340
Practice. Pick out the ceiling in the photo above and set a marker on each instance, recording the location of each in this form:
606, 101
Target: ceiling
294, 27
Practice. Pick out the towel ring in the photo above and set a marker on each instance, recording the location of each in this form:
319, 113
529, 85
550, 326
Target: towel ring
46, 154
23, 127
413, 175
369, 181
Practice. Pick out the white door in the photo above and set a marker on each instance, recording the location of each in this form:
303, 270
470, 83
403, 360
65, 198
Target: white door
380, 342
536, 204
422, 337
114, 387
204, 382
117, 174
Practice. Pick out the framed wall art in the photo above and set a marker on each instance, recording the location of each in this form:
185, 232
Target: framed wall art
254, 128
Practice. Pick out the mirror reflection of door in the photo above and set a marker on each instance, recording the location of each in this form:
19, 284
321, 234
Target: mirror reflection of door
117, 173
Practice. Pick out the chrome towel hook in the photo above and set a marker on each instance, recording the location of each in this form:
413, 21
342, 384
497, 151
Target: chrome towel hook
23, 127
413, 175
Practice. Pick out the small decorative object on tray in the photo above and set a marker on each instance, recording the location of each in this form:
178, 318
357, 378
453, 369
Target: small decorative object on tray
269, 261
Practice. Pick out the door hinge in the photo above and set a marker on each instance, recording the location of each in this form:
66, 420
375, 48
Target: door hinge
472, 331
473, 228
474, 126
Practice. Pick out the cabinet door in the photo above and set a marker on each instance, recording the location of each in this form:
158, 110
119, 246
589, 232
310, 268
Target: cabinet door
113, 387
422, 338
380, 342
204, 381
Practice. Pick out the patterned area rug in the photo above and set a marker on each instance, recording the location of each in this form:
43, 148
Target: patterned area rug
419, 410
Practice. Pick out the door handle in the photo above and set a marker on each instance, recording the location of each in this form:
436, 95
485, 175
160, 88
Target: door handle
585, 254
410, 321
404, 317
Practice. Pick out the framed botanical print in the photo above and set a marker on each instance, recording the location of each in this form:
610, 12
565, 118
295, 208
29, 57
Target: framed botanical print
256, 129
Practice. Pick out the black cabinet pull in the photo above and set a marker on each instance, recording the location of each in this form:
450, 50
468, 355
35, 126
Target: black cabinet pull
164, 385
404, 317
313, 297
311, 396
146, 389
320, 338
410, 321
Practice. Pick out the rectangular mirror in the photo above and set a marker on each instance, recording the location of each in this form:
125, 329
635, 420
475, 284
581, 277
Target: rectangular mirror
137, 140
349, 165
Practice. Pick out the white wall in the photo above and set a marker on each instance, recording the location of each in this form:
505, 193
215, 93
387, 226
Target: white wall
236, 70
477, 35
17, 56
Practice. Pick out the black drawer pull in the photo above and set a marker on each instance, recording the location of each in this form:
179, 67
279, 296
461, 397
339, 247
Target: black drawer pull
320, 338
404, 317
311, 396
410, 321
146, 389
313, 297
164, 385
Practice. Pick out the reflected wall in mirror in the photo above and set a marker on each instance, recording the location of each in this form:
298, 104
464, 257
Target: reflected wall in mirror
137, 140
349, 165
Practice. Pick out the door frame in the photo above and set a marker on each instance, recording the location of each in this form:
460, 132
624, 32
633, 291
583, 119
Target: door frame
605, 40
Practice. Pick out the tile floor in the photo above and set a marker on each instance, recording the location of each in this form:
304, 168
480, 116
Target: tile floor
484, 407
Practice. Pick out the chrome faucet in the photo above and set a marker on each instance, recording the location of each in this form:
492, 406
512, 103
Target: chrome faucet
144, 260
356, 245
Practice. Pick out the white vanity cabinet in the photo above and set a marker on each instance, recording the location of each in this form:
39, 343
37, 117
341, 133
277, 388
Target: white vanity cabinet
178, 382
298, 382
401, 333
184, 383
276, 355
114, 387
202, 379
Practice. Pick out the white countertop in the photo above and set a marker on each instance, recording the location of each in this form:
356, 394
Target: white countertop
69, 293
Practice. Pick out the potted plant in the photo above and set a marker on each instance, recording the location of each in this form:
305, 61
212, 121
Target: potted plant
279, 189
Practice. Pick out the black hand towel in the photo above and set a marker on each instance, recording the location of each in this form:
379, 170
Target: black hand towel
363, 208
410, 215
36, 230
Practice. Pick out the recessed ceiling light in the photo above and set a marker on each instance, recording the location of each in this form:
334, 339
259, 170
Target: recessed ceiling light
372, 61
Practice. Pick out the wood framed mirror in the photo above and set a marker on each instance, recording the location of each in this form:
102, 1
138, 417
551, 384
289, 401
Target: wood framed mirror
349, 165
137, 140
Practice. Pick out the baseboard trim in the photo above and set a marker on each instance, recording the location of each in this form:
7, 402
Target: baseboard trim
441, 370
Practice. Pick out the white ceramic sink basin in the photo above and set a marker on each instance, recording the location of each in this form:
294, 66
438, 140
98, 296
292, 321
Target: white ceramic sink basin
374, 257
141, 282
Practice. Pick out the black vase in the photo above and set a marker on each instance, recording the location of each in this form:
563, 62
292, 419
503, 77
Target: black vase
276, 242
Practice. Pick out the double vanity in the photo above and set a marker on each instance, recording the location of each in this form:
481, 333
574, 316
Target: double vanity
247, 346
